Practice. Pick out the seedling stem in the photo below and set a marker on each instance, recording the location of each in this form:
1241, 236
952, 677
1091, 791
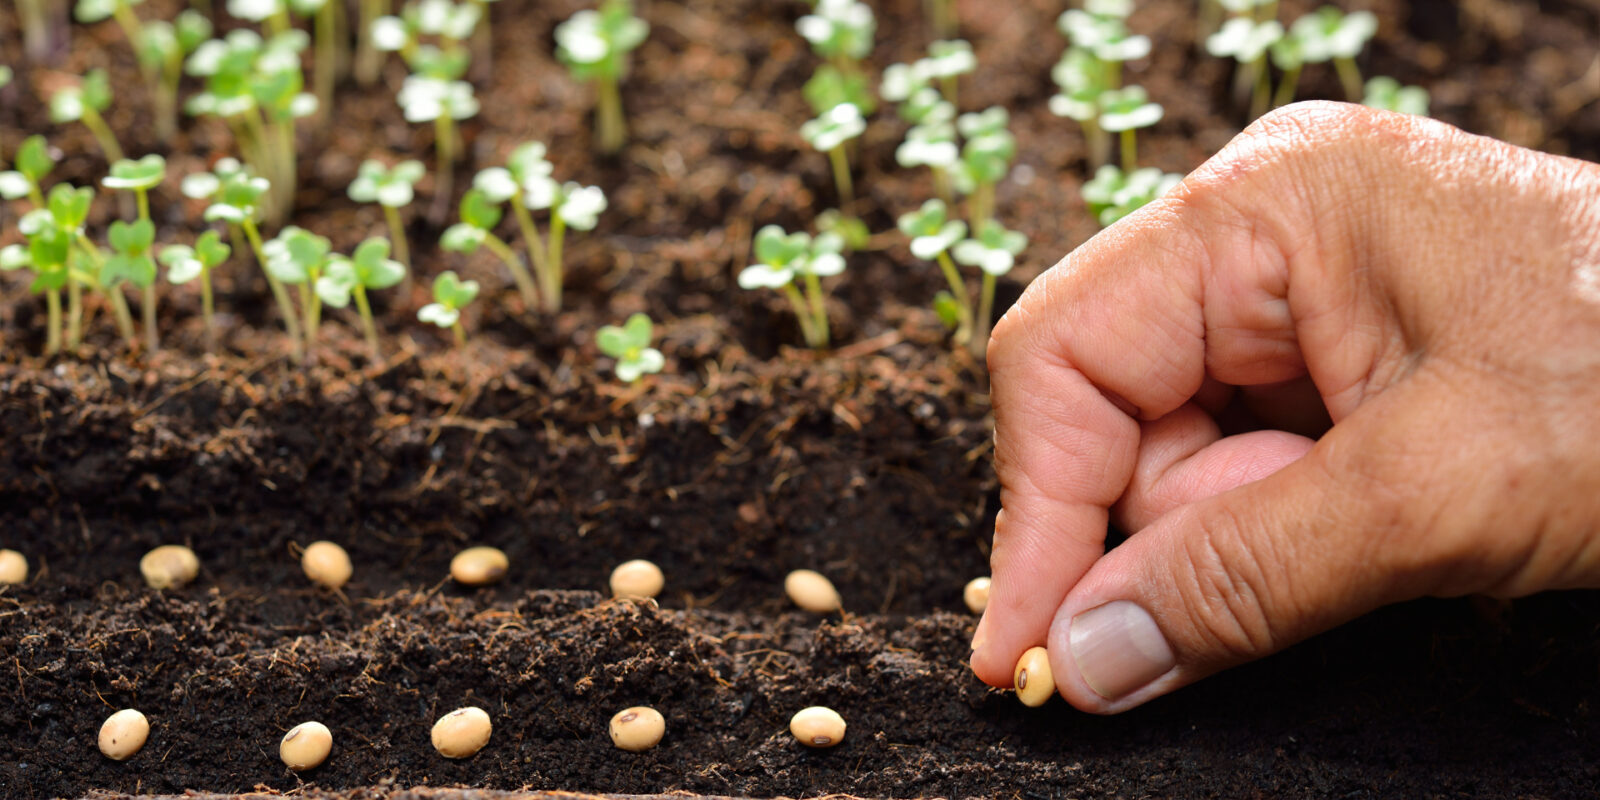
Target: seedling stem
1350, 76
519, 271
958, 290
397, 233
291, 323
52, 299
611, 130
841, 176
1130, 151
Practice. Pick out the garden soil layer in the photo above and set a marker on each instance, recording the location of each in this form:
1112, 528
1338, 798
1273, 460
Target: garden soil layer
745, 459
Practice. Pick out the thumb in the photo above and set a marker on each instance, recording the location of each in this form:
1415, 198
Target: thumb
1245, 573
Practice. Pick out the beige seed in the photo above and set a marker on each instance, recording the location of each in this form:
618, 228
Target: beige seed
306, 745
479, 566
637, 578
812, 591
637, 729
817, 726
327, 564
169, 566
123, 734
462, 732
976, 594
13, 567
1033, 679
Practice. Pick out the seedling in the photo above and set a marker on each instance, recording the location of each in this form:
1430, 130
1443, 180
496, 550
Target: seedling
932, 234
812, 591
46, 255
444, 103
305, 746
994, 252
131, 261
434, 91
1113, 194
369, 267
828, 133
161, 53
1387, 93
840, 31
34, 162
828, 87
450, 295
1083, 82
595, 45
1248, 41
1034, 681
328, 22
186, 263
479, 215
985, 159
83, 103
1330, 34
629, 344
525, 184
782, 257
479, 566
1124, 112
123, 734
298, 257
236, 194
326, 564
462, 732
817, 727
1100, 31
637, 729
946, 62
393, 188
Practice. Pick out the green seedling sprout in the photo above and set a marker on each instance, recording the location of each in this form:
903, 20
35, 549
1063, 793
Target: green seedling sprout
37, 36
1124, 112
83, 103
1113, 194
1083, 82
328, 22
235, 194
369, 267
629, 344
932, 234
435, 90
994, 251
480, 213
828, 133
161, 53
1105, 36
450, 295
841, 32
1387, 93
444, 103
573, 206
138, 177
130, 261
393, 188
90, 12
985, 159
828, 87
781, 257
1330, 34
595, 45
34, 162
298, 257
1248, 42
46, 254
947, 61
185, 263
65, 211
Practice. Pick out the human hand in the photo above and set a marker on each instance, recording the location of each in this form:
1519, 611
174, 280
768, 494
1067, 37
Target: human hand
1436, 294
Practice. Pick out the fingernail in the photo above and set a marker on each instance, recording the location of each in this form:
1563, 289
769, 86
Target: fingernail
980, 637
1118, 648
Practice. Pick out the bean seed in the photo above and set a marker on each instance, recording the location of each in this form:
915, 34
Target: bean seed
462, 732
306, 746
479, 566
637, 578
976, 594
13, 567
169, 566
326, 563
637, 729
817, 726
812, 591
1033, 679
123, 734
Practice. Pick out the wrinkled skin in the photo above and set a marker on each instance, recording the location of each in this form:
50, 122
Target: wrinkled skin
1412, 313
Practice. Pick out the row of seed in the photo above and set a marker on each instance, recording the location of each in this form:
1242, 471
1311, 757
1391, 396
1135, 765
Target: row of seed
462, 733
327, 564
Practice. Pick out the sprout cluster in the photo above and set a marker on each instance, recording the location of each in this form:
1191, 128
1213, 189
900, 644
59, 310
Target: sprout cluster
1113, 194
841, 33
1089, 79
594, 44
430, 35
934, 236
782, 259
629, 344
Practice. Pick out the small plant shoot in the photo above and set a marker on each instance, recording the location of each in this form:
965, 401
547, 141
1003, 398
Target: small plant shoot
782, 258
85, 103
594, 44
1113, 194
450, 296
1388, 94
629, 344
369, 267
185, 264
932, 234
393, 188
994, 252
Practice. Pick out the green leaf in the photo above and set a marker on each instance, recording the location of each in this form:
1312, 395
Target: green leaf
639, 329
452, 292
97, 89
146, 173
34, 159
948, 310
462, 238
438, 314
70, 205
373, 267
211, 250
478, 211
613, 341
139, 270
336, 287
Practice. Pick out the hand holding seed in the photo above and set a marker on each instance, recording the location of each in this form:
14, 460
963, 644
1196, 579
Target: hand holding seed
1399, 325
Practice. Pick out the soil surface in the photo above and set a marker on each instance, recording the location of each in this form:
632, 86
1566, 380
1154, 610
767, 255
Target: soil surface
747, 458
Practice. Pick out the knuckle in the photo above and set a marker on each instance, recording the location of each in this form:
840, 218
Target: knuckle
1230, 589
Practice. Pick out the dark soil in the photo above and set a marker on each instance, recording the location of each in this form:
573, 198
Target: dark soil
746, 459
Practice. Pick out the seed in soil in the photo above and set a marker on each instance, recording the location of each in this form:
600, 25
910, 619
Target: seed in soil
479, 566
812, 591
169, 566
637, 578
1034, 681
327, 564
14, 567
637, 729
817, 726
462, 732
123, 734
976, 594
306, 746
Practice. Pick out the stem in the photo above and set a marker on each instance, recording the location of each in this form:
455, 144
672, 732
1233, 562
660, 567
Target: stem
980, 339
558, 235
950, 85
1098, 144
1262, 93
206, 309
129, 22
444, 148
285, 306
801, 315
147, 306
102, 134
164, 94
144, 203
819, 313
74, 310
981, 206
1350, 76
52, 333
611, 130
549, 285
958, 289
369, 61
460, 332
311, 306
1286, 88
327, 58
519, 273
367, 327
1130, 150
941, 185
841, 176
402, 250
36, 29
119, 307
